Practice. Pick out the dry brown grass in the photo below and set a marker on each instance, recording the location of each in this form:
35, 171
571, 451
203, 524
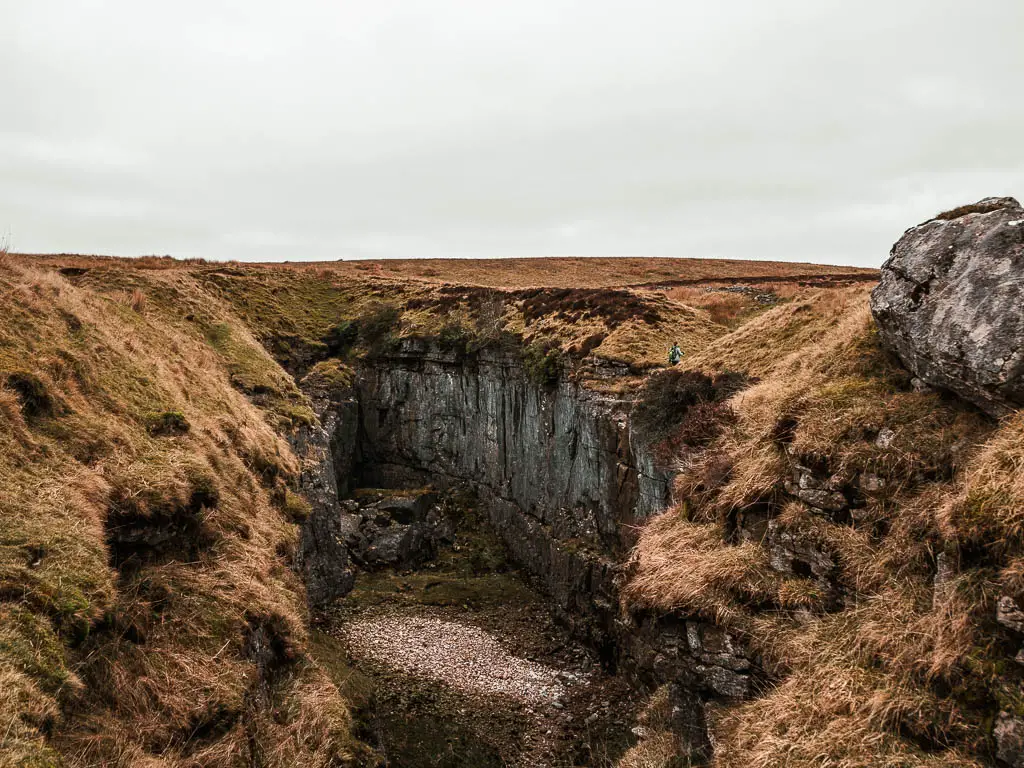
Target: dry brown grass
858, 693
723, 308
684, 564
570, 272
894, 674
114, 651
138, 301
732, 308
657, 750
987, 510
658, 746
554, 272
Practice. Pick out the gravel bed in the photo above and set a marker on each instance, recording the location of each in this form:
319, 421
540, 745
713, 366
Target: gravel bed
466, 658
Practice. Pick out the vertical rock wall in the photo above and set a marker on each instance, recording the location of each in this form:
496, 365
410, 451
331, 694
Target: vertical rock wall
325, 450
565, 482
561, 454
563, 478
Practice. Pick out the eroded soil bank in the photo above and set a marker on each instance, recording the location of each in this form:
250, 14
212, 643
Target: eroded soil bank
458, 662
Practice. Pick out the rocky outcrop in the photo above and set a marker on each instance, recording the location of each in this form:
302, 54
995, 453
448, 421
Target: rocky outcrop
1009, 614
702, 657
821, 493
394, 530
1009, 735
949, 303
1008, 730
564, 455
325, 450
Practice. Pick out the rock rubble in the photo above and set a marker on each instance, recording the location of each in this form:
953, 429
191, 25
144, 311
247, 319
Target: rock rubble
466, 658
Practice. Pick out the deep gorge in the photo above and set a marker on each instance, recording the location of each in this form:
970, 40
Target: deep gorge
233, 495
564, 479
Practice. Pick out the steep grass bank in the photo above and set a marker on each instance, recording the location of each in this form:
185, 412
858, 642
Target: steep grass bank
858, 534
149, 615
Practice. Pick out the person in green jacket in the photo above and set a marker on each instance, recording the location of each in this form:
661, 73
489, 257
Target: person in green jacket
675, 354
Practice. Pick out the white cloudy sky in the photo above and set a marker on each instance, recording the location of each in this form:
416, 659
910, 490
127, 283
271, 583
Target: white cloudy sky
812, 130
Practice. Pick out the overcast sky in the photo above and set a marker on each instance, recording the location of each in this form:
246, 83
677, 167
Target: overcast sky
808, 130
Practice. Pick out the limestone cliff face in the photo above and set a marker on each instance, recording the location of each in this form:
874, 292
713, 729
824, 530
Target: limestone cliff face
563, 455
565, 481
563, 478
557, 468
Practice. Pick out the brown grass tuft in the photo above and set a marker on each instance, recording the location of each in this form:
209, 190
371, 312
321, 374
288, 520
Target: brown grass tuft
138, 301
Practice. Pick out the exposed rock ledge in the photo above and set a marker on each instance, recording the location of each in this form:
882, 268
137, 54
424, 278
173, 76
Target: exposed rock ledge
564, 480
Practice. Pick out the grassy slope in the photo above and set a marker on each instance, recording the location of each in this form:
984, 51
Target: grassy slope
293, 311
192, 652
898, 673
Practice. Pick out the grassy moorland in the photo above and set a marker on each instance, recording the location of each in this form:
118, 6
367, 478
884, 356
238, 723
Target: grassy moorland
155, 395
586, 272
562, 272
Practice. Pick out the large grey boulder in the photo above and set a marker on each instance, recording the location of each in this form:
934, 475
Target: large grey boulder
951, 302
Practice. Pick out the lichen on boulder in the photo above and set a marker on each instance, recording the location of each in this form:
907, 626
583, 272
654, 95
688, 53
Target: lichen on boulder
949, 303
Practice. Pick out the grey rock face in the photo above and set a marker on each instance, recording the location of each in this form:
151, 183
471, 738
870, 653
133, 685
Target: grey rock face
325, 450
790, 552
703, 658
1009, 614
820, 493
1009, 735
950, 301
793, 555
562, 456
557, 469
